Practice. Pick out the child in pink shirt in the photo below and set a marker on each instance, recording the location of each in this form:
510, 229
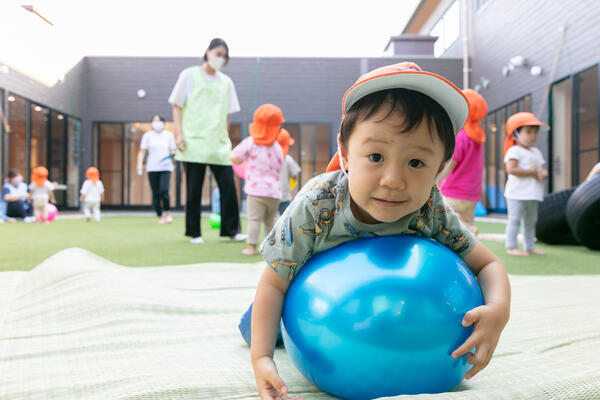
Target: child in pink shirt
264, 159
462, 186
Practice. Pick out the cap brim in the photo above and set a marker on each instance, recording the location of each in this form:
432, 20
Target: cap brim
441, 90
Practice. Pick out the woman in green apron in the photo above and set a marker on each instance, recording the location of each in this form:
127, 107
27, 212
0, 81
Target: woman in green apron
202, 100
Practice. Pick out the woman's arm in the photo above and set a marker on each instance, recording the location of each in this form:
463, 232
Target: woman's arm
179, 140
140, 159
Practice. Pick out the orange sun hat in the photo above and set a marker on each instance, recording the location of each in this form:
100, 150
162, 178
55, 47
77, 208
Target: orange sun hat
267, 124
39, 176
516, 121
285, 141
92, 174
477, 111
408, 75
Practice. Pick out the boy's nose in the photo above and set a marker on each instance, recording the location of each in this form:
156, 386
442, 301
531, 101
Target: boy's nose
393, 178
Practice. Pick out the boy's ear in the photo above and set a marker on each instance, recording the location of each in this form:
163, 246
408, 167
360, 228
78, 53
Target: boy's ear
343, 153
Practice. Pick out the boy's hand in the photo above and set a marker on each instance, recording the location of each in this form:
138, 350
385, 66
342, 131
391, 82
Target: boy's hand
542, 174
489, 321
180, 142
268, 382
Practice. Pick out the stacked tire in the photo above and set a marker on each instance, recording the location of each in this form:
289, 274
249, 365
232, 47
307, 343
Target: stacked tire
552, 226
583, 213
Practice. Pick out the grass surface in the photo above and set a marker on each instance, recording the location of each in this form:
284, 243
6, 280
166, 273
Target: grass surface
140, 241
131, 241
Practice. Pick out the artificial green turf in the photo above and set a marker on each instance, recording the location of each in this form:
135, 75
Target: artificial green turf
132, 241
140, 241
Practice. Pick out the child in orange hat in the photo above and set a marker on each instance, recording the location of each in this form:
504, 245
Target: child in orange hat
92, 194
41, 191
289, 170
462, 186
264, 158
524, 186
396, 136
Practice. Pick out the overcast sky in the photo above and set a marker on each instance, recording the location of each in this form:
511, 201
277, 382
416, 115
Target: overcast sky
263, 28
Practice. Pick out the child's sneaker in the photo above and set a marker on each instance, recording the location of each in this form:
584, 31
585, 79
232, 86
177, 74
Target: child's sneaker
197, 240
161, 221
169, 219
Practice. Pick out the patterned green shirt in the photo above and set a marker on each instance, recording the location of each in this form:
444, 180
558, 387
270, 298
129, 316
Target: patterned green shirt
320, 218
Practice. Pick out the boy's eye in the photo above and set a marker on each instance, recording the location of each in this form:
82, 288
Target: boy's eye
376, 157
415, 163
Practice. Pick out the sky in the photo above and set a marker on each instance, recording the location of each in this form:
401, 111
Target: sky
252, 28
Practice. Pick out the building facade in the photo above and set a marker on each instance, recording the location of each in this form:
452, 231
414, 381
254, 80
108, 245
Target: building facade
526, 55
97, 114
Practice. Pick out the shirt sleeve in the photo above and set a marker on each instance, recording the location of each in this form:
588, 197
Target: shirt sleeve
181, 89
234, 104
294, 168
144, 142
84, 188
291, 242
172, 146
512, 154
242, 150
5, 191
449, 230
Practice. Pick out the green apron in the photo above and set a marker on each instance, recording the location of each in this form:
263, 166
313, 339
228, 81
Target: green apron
204, 121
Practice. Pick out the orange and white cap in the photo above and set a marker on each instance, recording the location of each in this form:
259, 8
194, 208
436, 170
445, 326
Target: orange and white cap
408, 75
516, 121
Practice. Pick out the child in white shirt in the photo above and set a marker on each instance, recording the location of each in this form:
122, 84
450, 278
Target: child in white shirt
526, 173
92, 194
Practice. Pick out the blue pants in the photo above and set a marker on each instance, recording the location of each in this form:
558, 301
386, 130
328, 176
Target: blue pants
245, 327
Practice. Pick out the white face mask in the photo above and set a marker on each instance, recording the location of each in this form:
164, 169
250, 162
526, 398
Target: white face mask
17, 181
158, 126
216, 63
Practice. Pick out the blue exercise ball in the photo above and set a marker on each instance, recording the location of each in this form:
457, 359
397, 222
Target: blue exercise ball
380, 317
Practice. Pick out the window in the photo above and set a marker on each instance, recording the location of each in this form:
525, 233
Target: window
310, 149
446, 29
587, 131
57, 163
73, 161
17, 136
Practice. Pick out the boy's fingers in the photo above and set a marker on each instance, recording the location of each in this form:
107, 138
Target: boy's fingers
466, 347
480, 360
277, 382
471, 317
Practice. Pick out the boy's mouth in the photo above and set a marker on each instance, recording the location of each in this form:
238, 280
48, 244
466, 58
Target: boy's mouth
388, 203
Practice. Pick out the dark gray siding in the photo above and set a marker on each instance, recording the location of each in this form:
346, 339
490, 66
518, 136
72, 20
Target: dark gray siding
67, 97
506, 28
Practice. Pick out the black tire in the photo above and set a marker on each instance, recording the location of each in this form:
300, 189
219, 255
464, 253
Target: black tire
583, 213
552, 226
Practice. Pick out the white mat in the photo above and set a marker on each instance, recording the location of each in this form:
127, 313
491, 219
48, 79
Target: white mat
81, 327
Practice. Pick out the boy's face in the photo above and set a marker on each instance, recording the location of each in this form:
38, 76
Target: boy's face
390, 174
528, 135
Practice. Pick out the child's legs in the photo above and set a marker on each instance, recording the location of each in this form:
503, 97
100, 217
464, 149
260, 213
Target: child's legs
271, 214
530, 214
465, 210
39, 208
515, 212
257, 209
86, 209
95, 207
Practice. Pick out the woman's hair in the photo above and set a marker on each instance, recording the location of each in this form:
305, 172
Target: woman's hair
216, 42
159, 117
414, 107
12, 173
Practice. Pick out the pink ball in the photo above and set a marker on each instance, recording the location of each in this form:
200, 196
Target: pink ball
240, 169
52, 212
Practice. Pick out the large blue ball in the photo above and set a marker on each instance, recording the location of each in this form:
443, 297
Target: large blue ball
379, 317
